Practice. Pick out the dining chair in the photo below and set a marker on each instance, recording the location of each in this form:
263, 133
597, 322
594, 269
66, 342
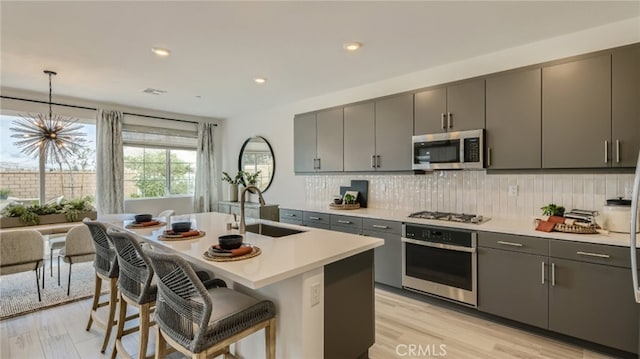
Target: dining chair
78, 248
166, 213
201, 322
107, 269
22, 251
137, 288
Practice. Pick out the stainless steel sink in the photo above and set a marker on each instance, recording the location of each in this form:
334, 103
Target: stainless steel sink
271, 231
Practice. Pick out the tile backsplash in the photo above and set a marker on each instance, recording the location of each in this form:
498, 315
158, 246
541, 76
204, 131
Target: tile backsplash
475, 191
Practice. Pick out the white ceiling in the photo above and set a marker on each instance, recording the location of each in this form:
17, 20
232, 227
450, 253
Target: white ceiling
101, 50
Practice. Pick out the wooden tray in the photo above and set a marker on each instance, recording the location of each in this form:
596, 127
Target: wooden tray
561, 227
163, 237
135, 225
255, 252
344, 206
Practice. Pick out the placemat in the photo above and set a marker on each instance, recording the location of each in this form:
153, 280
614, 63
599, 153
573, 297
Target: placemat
140, 225
164, 237
255, 252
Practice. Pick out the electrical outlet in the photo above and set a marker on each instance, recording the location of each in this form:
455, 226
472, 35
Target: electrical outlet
315, 294
513, 191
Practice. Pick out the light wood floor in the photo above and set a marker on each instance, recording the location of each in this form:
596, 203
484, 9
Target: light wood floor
400, 322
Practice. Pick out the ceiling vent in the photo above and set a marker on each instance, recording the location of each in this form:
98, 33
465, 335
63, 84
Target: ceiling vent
154, 91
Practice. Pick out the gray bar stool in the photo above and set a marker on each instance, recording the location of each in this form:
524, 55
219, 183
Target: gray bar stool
201, 323
106, 266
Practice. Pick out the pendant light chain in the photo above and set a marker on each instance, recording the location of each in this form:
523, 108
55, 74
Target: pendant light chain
50, 111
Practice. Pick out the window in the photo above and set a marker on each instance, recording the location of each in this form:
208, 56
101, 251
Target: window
158, 162
19, 173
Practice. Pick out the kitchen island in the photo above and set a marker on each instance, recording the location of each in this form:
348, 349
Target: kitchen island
320, 281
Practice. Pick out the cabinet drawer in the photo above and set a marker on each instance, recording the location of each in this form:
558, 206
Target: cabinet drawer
346, 221
510, 242
290, 214
381, 225
309, 218
591, 253
352, 230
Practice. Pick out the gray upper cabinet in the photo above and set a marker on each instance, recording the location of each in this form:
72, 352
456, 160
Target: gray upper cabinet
625, 121
457, 107
576, 114
359, 136
304, 144
394, 128
430, 108
377, 135
513, 120
329, 140
318, 141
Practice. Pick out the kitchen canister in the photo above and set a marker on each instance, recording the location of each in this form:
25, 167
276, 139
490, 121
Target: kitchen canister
617, 215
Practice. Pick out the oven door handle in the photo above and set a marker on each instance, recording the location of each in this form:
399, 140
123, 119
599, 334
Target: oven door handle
439, 245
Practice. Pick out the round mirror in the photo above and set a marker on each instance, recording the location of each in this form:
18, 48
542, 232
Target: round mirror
256, 155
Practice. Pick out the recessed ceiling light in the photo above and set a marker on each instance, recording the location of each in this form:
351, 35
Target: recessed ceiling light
260, 80
351, 46
160, 51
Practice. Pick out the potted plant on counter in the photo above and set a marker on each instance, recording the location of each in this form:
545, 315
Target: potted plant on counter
233, 184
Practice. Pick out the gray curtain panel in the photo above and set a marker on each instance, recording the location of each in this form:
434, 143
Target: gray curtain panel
205, 196
109, 162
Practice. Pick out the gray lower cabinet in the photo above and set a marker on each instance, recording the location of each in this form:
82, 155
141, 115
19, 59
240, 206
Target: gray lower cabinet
377, 135
625, 111
316, 220
576, 114
591, 296
251, 210
513, 120
291, 216
457, 107
388, 257
346, 224
577, 289
512, 277
318, 143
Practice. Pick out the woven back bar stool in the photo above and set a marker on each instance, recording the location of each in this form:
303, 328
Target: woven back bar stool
106, 266
136, 289
201, 322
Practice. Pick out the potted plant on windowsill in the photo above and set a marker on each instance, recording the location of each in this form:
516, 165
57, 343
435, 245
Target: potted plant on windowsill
233, 184
18, 215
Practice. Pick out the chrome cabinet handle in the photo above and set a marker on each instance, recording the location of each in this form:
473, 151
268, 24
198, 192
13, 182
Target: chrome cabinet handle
543, 272
319, 164
314, 218
488, 156
380, 226
553, 274
589, 254
511, 244
442, 120
606, 151
617, 151
449, 121
373, 161
377, 161
345, 222
290, 215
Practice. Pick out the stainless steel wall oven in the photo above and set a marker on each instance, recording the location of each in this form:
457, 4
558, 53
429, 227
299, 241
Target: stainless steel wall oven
441, 262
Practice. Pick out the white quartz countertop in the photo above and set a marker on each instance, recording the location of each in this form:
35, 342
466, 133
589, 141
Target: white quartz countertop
281, 258
524, 227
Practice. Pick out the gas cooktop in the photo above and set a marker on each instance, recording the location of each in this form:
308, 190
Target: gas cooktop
452, 217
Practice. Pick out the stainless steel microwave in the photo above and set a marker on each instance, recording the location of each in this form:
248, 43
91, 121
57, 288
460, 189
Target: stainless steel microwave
449, 150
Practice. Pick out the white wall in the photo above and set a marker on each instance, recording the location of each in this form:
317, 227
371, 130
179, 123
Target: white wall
276, 124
